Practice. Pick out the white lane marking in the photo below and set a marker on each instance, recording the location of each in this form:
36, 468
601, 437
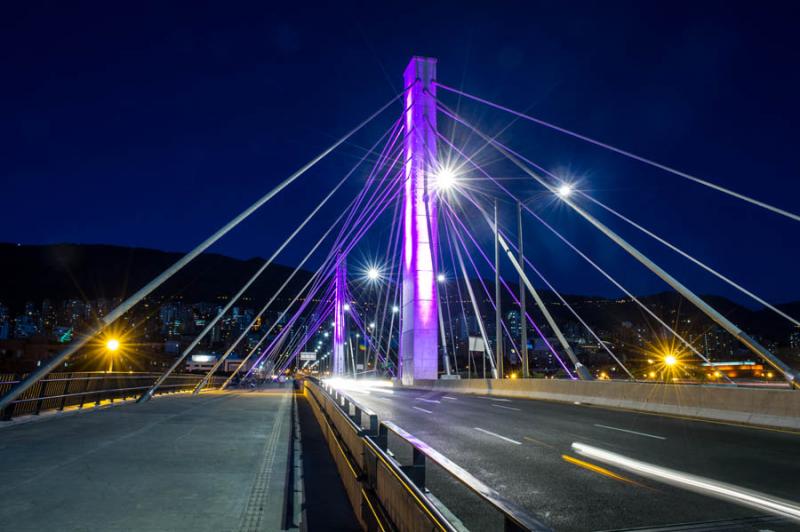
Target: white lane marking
448, 397
706, 486
426, 411
490, 433
494, 399
631, 432
506, 407
428, 400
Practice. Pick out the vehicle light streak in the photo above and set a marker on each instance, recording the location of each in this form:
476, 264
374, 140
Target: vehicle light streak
704, 486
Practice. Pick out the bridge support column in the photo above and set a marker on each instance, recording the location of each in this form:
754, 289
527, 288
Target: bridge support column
339, 329
419, 344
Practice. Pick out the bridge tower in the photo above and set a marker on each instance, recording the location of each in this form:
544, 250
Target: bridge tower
339, 326
419, 344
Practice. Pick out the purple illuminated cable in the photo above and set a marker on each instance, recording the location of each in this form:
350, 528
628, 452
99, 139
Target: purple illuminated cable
300, 338
360, 324
376, 168
394, 236
440, 255
452, 217
572, 246
654, 236
485, 289
287, 327
279, 339
470, 360
536, 328
267, 353
386, 259
628, 154
569, 307
314, 329
233, 345
347, 229
550, 286
314, 278
362, 229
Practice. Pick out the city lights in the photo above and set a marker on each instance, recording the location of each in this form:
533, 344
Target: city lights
346, 307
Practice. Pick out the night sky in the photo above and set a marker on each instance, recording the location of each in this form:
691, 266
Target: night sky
152, 124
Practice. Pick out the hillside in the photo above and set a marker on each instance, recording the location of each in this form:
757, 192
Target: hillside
58, 272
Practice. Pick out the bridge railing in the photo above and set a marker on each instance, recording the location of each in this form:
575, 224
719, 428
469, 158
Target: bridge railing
63, 391
394, 478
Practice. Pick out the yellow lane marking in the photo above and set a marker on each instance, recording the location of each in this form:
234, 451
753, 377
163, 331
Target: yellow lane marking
534, 440
597, 469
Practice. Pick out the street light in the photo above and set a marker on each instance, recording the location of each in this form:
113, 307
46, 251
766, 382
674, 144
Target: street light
112, 345
670, 360
564, 191
373, 273
441, 278
395, 309
445, 178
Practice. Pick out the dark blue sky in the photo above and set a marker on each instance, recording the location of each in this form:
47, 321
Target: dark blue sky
152, 124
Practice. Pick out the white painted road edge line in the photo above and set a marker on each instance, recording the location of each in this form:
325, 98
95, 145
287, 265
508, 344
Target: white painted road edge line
507, 407
448, 397
428, 400
706, 486
490, 398
490, 433
631, 432
426, 411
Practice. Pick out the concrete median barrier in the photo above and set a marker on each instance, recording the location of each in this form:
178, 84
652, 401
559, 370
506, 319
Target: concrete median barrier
778, 408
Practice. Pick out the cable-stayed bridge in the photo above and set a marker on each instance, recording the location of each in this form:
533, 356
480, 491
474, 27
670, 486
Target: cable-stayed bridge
488, 390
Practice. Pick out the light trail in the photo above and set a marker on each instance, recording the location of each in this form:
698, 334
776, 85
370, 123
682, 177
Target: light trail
698, 484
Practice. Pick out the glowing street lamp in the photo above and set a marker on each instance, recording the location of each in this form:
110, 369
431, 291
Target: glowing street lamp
564, 191
670, 360
373, 273
395, 309
112, 345
346, 307
441, 278
445, 179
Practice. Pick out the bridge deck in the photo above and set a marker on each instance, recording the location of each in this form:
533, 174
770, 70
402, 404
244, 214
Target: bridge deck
522, 448
214, 462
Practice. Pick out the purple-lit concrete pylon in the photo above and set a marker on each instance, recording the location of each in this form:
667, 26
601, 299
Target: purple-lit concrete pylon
339, 334
419, 319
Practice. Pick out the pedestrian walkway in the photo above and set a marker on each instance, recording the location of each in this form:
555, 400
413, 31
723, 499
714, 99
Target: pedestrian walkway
216, 462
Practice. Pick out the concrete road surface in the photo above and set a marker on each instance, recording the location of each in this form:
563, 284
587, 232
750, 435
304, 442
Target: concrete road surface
211, 463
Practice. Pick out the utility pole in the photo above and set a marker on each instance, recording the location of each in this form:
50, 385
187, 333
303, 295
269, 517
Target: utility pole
498, 312
523, 313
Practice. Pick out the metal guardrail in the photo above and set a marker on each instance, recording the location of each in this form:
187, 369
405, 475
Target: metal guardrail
394, 472
59, 391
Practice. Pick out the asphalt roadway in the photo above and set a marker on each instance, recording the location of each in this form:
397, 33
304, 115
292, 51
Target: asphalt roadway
523, 449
